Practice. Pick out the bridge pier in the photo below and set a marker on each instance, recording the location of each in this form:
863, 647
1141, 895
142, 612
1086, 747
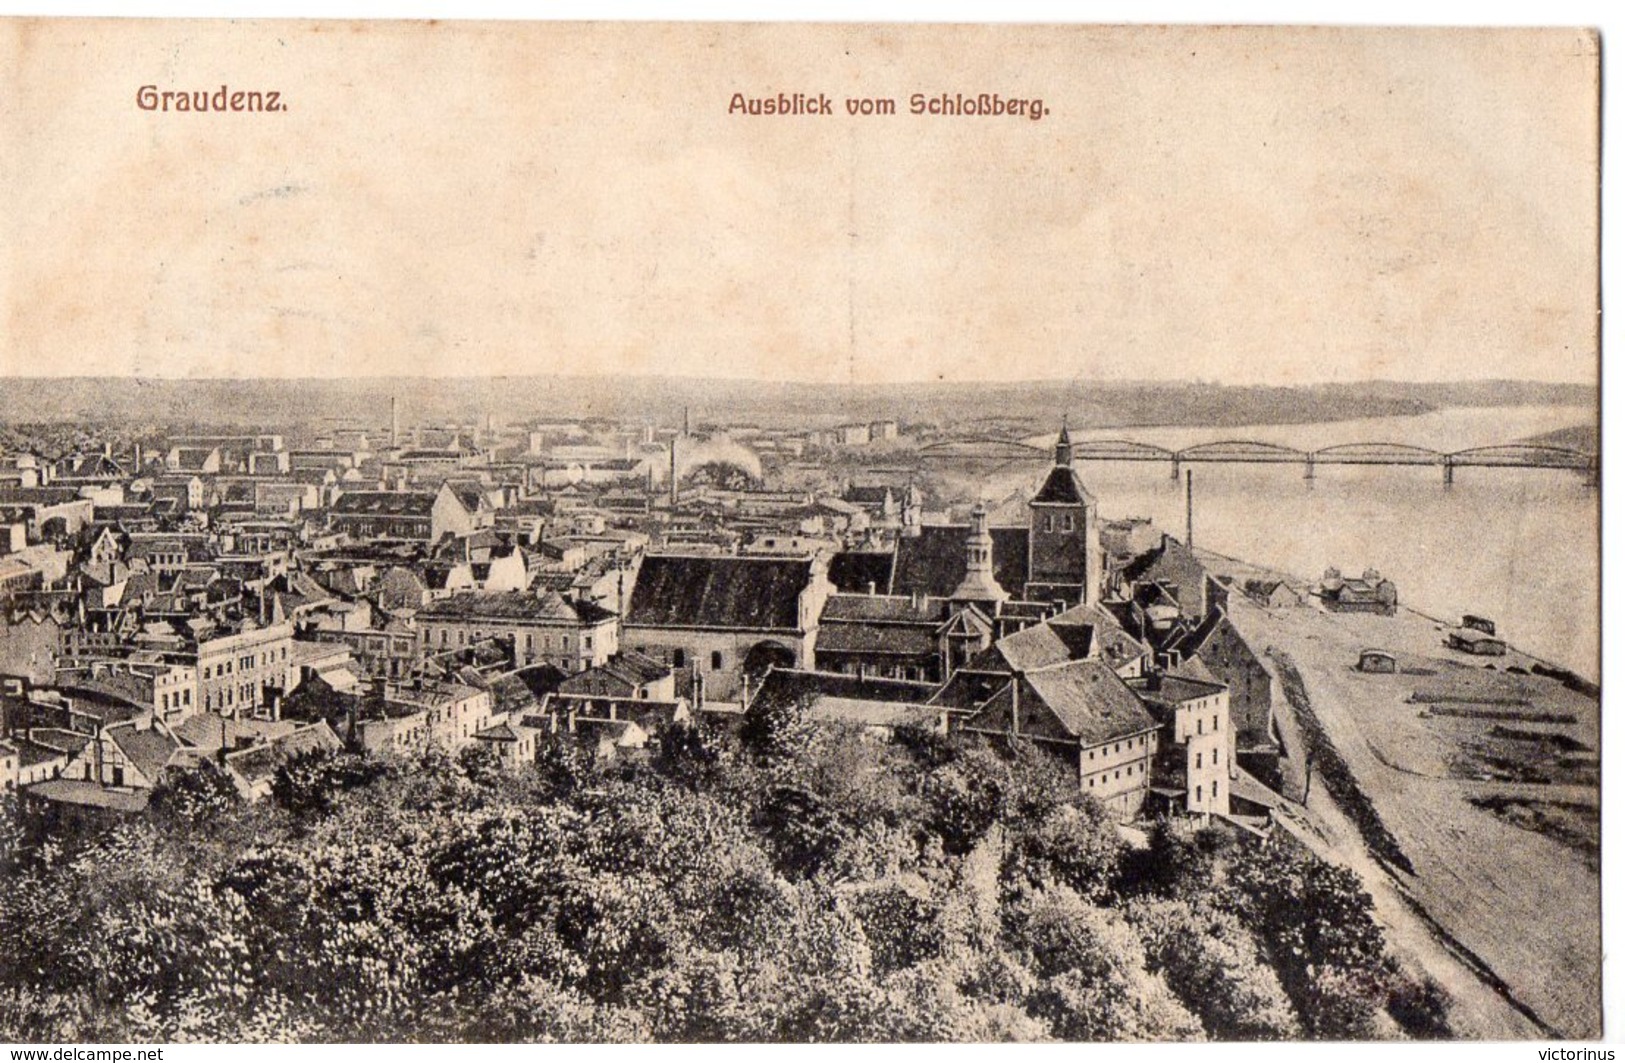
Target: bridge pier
1449, 472
1175, 474
1309, 467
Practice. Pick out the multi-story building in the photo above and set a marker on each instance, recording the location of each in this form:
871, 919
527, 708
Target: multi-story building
573, 635
1196, 752
384, 514
407, 718
236, 669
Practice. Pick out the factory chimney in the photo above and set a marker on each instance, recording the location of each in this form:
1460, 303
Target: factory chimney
1190, 531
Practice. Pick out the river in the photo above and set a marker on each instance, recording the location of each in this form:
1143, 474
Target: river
1520, 546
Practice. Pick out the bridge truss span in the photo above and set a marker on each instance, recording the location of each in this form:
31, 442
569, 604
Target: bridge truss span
1241, 450
1377, 454
1523, 455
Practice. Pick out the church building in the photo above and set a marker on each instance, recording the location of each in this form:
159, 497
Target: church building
1056, 558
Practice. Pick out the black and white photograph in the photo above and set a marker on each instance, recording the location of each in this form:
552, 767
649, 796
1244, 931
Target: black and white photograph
733, 532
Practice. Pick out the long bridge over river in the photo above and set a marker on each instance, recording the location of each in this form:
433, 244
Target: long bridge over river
1252, 452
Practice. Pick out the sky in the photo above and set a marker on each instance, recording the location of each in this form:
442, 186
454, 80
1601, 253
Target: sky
1254, 206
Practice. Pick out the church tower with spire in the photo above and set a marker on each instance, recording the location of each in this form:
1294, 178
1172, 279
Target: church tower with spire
1064, 558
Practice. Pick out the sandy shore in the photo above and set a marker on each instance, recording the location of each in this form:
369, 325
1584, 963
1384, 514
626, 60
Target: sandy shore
1484, 779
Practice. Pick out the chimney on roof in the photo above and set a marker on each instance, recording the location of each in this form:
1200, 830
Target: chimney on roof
871, 586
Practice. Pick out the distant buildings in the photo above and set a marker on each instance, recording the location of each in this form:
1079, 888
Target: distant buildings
1370, 593
234, 602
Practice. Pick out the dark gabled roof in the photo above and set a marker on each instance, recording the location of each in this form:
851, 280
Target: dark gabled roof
515, 605
510, 693
1083, 701
90, 794
192, 459
738, 593
261, 761
502, 732
1109, 640
39, 496
637, 668
58, 739
783, 686
890, 639
107, 705
1091, 701
30, 752
1034, 720
1062, 487
468, 495
149, 750
542, 679
1170, 561
852, 571
933, 562
879, 608
385, 503
1043, 645
970, 688
1193, 641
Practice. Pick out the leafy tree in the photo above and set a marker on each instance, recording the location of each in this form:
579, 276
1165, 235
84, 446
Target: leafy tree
563, 768
1093, 985
309, 783
1074, 845
1420, 1006
1315, 922
1210, 961
480, 765
689, 753
776, 730
193, 795
13, 838
1184, 860
963, 803
900, 926
839, 889
800, 829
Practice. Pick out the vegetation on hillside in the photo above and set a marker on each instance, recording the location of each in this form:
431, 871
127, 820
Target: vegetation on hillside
792, 883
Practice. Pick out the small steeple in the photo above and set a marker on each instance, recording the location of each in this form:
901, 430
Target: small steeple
1063, 445
979, 584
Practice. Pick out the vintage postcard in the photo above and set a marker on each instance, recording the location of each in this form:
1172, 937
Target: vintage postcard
642, 532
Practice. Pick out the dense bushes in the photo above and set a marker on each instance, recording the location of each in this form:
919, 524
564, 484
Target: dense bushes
798, 884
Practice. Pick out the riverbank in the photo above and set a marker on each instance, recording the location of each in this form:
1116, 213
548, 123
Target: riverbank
1474, 820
